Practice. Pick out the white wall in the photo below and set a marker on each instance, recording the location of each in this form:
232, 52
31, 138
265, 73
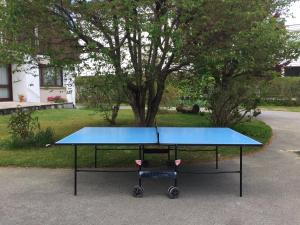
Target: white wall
25, 81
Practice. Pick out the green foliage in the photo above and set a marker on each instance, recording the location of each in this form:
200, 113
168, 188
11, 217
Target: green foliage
25, 131
100, 92
230, 104
140, 44
44, 137
192, 89
40, 139
22, 124
282, 91
255, 129
170, 96
244, 42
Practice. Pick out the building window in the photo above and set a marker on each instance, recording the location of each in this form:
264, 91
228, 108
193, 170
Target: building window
51, 76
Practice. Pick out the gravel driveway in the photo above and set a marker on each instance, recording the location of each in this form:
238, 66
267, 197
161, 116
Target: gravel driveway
271, 191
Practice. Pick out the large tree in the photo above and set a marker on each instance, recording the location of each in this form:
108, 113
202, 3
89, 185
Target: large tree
241, 47
137, 41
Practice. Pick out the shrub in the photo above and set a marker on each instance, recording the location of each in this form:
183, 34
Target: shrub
22, 124
25, 131
44, 137
231, 103
17, 142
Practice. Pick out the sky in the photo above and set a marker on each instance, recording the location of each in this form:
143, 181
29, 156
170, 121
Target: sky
295, 19
295, 10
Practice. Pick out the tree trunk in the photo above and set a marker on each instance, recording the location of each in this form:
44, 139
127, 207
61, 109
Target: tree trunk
114, 113
143, 116
154, 106
137, 104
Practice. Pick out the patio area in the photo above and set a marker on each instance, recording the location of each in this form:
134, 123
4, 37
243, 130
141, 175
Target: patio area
10, 107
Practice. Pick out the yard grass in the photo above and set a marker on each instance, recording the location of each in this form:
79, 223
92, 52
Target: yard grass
66, 121
281, 108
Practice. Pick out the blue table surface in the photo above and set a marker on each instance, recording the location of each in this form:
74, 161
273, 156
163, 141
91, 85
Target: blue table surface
203, 136
112, 135
148, 135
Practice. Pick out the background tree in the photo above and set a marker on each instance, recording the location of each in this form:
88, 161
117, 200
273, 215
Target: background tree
100, 92
243, 42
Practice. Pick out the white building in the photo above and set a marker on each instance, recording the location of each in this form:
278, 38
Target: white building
35, 83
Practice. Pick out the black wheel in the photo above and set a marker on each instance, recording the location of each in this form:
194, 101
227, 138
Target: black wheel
169, 189
138, 191
173, 192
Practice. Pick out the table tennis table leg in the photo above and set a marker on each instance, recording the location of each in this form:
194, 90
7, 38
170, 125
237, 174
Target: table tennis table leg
75, 169
140, 152
175, 167
217, 157
96, 149
143, 153
241, 171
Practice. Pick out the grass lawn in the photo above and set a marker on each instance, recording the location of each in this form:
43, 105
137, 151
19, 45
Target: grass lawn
281, 108
66, 121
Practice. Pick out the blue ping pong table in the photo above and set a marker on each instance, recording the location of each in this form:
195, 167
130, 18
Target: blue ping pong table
174, 138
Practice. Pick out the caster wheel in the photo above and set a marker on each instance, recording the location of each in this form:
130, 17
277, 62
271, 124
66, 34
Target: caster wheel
173, 192
138, 191
170, 188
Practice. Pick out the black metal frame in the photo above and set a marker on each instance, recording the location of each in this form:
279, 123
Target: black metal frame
140, 149
240, 171
141, 157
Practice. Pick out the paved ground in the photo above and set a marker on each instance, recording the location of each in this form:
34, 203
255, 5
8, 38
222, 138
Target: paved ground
271, 192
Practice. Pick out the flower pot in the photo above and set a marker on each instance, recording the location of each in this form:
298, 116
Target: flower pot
21, 98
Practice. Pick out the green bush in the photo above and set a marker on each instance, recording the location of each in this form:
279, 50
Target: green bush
170, 96
44, 137
101, 92
22, 124
283, 91
255, 129
25, 131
